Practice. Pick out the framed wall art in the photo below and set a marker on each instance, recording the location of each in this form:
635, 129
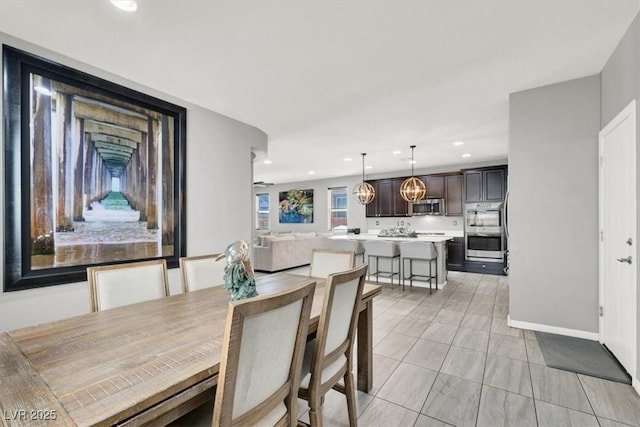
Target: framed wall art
93, 173
295, 206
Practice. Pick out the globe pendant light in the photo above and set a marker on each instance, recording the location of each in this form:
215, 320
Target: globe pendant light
413, 189
364, 192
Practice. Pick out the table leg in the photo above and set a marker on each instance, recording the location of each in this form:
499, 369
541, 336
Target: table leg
365, 350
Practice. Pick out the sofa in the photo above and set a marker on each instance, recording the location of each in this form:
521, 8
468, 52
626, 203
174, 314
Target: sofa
275, 252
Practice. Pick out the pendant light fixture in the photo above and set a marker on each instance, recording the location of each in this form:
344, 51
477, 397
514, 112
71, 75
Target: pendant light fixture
413, 189
364, 192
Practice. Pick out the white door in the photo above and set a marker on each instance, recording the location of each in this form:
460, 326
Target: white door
618, 238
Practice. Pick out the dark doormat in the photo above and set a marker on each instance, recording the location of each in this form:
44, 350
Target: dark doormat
581, 356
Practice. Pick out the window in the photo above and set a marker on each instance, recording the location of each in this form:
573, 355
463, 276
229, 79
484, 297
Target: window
262, 213
337, 207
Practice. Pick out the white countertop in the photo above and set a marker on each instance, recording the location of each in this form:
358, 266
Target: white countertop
362, 236
449, 233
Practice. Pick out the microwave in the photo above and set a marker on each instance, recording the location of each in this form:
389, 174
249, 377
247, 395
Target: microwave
427, 207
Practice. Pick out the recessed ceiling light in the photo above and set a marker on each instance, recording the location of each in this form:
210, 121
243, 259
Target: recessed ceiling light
458, 143
312, 173
348, 159
368, 167
397, 152
466, 155
126, 5
267, 162
413, 162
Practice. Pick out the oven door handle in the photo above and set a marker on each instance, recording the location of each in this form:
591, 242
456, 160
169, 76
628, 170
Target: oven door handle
485, 234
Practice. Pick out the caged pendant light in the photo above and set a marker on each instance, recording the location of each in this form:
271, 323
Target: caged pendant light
413, 189
364, 192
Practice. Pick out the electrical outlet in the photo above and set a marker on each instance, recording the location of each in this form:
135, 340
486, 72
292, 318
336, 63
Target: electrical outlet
455, 222
377, 222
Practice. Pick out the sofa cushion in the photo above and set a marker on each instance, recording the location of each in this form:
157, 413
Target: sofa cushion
266, 240
309, 235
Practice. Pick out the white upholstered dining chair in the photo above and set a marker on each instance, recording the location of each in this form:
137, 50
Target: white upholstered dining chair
328, 358
116, 285
262, 358
199, 272
325, 262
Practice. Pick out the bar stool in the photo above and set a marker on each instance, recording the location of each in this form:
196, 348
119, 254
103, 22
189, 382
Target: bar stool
351, 245
384, 249
419, 251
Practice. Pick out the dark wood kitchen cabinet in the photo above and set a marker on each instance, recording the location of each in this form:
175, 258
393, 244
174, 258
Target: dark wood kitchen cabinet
400, 205
435, 186
453, 195
374, 206
387, 202
473, 186
455, 254
485, 185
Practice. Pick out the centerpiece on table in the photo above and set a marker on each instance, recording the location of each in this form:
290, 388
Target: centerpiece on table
239, 279
397, 232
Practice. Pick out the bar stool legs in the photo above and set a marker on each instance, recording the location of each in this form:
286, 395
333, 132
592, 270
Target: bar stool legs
430, 277
419, 251
384, 273
386, 250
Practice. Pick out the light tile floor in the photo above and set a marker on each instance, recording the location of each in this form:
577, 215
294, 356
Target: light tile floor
450, 359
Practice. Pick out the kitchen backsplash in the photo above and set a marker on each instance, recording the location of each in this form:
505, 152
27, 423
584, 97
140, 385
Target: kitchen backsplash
423, 223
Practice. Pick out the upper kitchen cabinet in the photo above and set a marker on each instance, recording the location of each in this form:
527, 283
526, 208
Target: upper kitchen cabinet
453, 195
435, 186
400, 205
485, 185
387, 202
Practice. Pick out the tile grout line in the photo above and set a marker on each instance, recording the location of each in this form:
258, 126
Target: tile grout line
588, 400
484, 371
533, 396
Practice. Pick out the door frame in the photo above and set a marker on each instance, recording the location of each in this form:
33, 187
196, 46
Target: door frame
627, 112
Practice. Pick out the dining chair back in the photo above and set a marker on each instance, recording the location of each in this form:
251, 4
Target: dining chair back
199, 272
262, 358
113, 286
353, 245
328, 358
325, 262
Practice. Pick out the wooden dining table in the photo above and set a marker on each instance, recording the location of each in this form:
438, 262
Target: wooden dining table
146, 363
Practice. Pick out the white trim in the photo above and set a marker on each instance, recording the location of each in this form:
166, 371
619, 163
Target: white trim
552, 329
628, 112
636, 384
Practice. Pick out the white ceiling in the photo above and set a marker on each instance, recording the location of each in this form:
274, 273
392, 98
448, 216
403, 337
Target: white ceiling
328, 80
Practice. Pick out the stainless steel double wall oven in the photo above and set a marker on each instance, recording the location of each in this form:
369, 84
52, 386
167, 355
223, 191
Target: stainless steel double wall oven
484, 232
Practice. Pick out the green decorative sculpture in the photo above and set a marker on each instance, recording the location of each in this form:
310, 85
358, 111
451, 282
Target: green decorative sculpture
239, 279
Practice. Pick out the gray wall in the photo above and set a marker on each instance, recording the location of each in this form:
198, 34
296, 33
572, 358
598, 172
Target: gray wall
356, 212
620, 84
219, 198
553, 205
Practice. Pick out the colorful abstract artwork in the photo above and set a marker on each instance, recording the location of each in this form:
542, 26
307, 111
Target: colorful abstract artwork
296, 207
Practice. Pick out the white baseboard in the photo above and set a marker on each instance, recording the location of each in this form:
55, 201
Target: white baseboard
553, 329
636, 384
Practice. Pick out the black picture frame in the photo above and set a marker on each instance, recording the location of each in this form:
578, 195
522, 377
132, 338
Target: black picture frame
94, 173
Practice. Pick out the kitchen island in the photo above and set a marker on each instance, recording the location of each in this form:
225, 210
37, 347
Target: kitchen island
418, 267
